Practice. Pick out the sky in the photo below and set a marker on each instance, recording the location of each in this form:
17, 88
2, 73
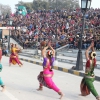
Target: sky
11, 3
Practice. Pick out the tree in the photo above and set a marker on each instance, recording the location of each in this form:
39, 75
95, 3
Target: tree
48, 4
67, 4
36, 5
19, 3
28, 5
4, 9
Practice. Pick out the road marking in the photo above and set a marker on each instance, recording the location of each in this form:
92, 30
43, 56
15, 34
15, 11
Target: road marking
9, 95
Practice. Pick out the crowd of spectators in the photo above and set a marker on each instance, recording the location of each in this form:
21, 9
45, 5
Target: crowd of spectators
61, 27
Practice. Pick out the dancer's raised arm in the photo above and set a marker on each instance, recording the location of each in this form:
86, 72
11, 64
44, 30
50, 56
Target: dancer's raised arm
91, 47
43, 52
53, 51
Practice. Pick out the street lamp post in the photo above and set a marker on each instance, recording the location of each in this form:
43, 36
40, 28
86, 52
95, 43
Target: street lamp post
85, 4
55, 63
10, 24
56, 31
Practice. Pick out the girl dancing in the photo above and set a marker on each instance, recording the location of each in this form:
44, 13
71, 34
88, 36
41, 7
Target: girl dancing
13, 57
1, 81
87, 82
45, 77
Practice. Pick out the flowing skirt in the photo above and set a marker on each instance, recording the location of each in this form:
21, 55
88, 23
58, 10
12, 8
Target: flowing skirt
0, 55
84, 89
1, 82
41, 79
14, 59
47, 81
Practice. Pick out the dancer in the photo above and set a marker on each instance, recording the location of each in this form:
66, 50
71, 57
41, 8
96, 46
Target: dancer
45, 77
13, 57
87, 82
17, 51
0, 54
1, 82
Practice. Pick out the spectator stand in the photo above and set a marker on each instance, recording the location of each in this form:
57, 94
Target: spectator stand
39, 26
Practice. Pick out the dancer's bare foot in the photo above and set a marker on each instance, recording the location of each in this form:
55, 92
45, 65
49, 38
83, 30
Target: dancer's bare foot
3, 88
98, 98
20, 65
61, 95
40, 89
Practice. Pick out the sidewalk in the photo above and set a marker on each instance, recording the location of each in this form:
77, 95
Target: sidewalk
74, 55
74, 59
65, 67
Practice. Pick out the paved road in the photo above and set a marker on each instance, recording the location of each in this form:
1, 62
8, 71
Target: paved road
22, 83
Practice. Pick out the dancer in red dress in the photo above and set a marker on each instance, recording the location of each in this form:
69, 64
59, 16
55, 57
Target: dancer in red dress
0, 54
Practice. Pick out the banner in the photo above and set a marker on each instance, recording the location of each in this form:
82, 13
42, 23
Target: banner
9, 28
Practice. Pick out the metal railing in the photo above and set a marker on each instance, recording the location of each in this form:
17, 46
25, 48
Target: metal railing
17, 40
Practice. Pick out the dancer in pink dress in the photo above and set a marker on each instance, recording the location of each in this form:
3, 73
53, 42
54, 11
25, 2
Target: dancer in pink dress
45, 77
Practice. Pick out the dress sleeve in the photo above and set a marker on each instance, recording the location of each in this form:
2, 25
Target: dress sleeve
44, 61
88, 64
52, 59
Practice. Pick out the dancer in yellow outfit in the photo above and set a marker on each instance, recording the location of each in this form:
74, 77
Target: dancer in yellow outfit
13, 57
17, 51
